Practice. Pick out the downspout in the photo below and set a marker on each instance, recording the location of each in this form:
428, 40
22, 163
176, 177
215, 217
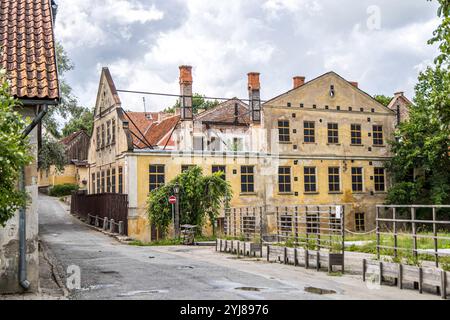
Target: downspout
23, 281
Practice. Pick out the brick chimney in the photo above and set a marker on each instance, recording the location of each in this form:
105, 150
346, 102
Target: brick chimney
298, 81
186, 92
353, 83
254, 93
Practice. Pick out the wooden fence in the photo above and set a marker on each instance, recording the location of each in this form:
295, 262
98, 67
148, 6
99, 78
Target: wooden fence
106, 205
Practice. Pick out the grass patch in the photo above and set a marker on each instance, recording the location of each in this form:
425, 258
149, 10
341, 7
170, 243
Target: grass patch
166, 242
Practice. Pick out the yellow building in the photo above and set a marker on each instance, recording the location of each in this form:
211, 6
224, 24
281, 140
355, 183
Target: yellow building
323, 142
76, 170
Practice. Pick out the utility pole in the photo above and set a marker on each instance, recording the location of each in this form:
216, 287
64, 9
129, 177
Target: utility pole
176, 190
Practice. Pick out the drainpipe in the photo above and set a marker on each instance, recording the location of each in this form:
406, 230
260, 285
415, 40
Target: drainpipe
23, 281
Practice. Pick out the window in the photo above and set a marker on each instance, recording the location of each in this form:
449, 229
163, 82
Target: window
377, 135
356, 134
222, 169
379, 179
284, 179
214, 144
108, 181
103, 181
186, 167
310, 179
309, 132
120, 180
237, 144
98, 138
98, 183
357, 180
108, 132
103, 135
198, 143
334, 184
286, 224
283, 131
312, 223
157, 176
93, 184
113, 131
247, 179
113, 180
333, 133
360, 222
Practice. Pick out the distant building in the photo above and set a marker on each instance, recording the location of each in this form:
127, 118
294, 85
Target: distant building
400, 104
76, 169
28, 55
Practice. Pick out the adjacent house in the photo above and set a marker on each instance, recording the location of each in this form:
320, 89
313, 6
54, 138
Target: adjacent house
322, 142
75, 171
400, 105
28, 55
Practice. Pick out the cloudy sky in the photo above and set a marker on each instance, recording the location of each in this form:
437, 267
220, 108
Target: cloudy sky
379, 43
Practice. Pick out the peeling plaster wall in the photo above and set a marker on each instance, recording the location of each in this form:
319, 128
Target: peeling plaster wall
9, 235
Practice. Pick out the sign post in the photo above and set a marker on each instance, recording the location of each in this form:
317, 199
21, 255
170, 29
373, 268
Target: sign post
173, 201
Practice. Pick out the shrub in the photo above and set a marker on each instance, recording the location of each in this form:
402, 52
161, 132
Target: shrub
62, 190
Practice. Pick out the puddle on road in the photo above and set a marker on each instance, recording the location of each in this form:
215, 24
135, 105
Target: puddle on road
109, 272
248, 289
141, 292
320, 291
185, 267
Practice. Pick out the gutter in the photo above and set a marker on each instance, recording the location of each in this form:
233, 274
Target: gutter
23, 281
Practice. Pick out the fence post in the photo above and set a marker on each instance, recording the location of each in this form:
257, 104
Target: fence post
394, 217
96, 221
121, 227
436, 253
105, 223
378, 231
111, 226
413, 218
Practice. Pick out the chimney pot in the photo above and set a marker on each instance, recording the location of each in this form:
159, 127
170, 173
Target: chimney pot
253, 81
299, 81
354, 83
186, 75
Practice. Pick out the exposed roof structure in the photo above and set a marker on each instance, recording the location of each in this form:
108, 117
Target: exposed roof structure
28, 49
227, 113
67, 140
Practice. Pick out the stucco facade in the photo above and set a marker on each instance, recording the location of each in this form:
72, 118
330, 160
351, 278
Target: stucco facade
353, 158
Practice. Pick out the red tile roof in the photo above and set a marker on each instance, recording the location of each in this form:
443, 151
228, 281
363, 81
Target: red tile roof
224, 113
28, 48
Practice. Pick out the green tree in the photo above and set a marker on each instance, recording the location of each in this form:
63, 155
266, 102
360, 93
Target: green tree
52, 152
198, 102
201, 198
68, 108
14, 153
384, 100
83, 119
421, 164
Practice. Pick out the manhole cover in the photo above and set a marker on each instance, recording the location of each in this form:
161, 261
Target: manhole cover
248, 289
319, 290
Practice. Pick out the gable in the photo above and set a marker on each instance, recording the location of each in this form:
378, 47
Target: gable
317, 93
107, 95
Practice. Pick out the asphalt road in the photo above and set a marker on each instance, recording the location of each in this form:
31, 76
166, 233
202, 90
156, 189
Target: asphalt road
111, 270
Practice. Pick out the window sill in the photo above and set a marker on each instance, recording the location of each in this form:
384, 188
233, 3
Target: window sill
359, 192
333, 144
380, 192
314, 143
247, 194
379, 146
310, 193
335, 192
356, 145
284, 142
285, 193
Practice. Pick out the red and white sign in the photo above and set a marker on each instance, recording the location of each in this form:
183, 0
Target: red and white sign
172, 199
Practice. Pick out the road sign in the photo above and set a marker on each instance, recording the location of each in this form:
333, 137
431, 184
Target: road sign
172, 200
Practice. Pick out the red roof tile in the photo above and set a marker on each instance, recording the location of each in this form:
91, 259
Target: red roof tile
28, 48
